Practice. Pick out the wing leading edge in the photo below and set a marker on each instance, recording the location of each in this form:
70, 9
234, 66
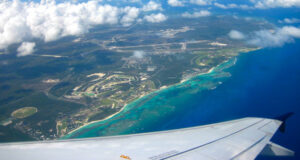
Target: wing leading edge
238, 139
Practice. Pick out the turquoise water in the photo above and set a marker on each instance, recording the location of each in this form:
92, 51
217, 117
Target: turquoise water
144, 114
263, 83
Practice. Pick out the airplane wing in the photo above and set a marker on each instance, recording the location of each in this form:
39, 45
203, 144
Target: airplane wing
238, 139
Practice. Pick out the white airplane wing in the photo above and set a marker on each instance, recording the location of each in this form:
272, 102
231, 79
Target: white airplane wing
238, 139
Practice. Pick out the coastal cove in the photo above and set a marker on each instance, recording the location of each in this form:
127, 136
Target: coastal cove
154, 106
262, 83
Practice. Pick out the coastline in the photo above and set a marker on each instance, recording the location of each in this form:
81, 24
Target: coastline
69, 134
145, 95
106, 118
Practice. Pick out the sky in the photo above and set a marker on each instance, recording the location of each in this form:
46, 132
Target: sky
22, 23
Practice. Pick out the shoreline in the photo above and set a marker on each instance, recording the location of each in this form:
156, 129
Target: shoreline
160, 89
106, 118
122, 109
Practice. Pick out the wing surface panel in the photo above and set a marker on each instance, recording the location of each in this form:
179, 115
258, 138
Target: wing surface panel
237, 139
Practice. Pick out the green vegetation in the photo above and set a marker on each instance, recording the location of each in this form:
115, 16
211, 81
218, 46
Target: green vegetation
102, 114
89, 94
76, 99
10, 134
61, 127
106, 102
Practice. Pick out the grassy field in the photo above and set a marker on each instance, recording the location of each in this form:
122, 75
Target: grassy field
24, 112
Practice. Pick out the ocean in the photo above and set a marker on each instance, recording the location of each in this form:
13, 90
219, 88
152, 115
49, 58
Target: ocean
262, 83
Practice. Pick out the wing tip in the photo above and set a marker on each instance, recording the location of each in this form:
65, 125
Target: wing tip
283, 119
285, 116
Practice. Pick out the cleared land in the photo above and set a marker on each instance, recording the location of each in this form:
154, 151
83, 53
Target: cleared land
24, 112
92, 77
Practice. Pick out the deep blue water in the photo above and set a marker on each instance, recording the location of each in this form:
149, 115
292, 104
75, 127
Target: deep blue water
264, 83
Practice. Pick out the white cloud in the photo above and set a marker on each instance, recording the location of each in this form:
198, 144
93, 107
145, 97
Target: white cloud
49, 21
138, 54
291, 31
232, 6
263, 4
203, 13
131, 14
134, 1
201, 2
26, 48
220, 5
155, 18
152, 6
290, 20
276, 38
234, 34
175, 3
